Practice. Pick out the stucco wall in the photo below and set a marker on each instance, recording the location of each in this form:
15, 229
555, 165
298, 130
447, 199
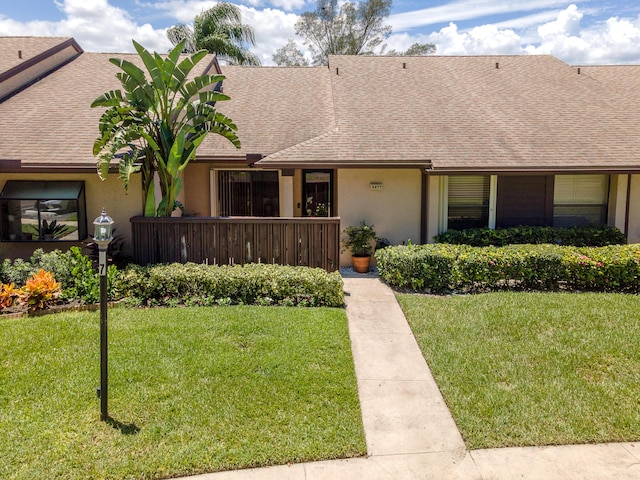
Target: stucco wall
196, 189
108, 194
394, 211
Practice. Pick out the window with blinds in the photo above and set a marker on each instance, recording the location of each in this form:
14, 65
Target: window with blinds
248, 193
580, 200
468, 200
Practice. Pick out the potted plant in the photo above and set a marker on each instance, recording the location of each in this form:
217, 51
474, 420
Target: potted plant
360, 239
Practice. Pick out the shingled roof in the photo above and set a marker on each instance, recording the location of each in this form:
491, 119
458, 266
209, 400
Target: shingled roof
50, 125
23, 60
274, 109
441, 114
472, 114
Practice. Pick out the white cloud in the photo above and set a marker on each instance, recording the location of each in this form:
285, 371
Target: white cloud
288, 5
615, 41
273, 28
96, 25
183, 11
567, 24
100, 26
483, 40
466, 10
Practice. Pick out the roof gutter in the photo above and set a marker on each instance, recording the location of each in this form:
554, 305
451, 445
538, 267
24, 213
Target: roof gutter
16, 166
547, 170
421, 164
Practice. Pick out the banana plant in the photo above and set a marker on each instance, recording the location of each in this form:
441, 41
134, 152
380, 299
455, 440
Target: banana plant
155, 123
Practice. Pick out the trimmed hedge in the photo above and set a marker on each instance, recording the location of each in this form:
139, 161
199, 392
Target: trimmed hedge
575, 236
197, 284
440, 267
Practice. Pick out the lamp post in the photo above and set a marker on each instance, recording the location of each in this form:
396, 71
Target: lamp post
102, 236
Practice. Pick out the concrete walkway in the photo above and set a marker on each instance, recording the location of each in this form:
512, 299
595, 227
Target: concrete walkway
409, 431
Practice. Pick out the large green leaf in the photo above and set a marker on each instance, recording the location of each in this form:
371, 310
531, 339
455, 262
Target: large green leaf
109, 99
163, 113
127, 167
187, 64
131, 69
150, 201
152, 66
175, 155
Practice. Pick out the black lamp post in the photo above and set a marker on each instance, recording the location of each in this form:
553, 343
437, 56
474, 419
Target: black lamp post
102, 236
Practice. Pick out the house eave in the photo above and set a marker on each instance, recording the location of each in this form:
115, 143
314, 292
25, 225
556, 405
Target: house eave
420, 164
544, 170
17, 166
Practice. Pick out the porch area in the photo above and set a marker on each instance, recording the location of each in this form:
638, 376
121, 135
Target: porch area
311, 242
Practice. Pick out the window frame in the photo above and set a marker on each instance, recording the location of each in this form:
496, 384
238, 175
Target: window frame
47, 198
215, 190
490, 205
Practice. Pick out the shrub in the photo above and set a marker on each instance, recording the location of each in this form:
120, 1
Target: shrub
72, 269
422, 267
574, 236
16, 272
523, 266
197, 284
540, 267
40, 291
604, 269
8, 295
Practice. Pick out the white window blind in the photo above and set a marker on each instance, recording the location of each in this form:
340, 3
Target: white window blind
468, 199
581, 189
580, 200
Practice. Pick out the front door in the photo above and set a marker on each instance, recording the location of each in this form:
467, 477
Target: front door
317, 191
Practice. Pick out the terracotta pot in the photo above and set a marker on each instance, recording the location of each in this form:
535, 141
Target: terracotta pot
361, 264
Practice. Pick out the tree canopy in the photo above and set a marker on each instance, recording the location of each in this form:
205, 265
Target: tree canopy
290, 56
343, 28
218, 30
155, 123
416, 50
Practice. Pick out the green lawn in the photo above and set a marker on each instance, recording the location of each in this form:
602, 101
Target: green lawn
534, 368
191, 390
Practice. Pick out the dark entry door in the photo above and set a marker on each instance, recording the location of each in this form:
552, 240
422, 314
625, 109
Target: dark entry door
524, 200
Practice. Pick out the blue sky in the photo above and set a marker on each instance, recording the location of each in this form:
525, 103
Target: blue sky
578, 32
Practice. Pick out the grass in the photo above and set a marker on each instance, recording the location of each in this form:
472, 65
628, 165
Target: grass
534, 368
192, 390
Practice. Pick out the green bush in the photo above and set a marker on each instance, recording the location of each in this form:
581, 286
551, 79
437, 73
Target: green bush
440, 267
523, 266
604, 269
574, 236
260, 284
419, 267
71, 268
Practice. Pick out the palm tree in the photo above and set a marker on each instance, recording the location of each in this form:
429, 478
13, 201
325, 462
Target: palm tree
218, 30
155, 124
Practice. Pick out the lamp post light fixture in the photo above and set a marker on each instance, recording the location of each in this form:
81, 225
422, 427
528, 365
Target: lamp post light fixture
102, 236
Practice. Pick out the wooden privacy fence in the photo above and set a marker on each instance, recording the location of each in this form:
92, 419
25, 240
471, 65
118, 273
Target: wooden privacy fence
312, 242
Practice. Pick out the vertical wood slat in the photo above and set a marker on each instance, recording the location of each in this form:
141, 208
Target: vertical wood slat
312, 242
